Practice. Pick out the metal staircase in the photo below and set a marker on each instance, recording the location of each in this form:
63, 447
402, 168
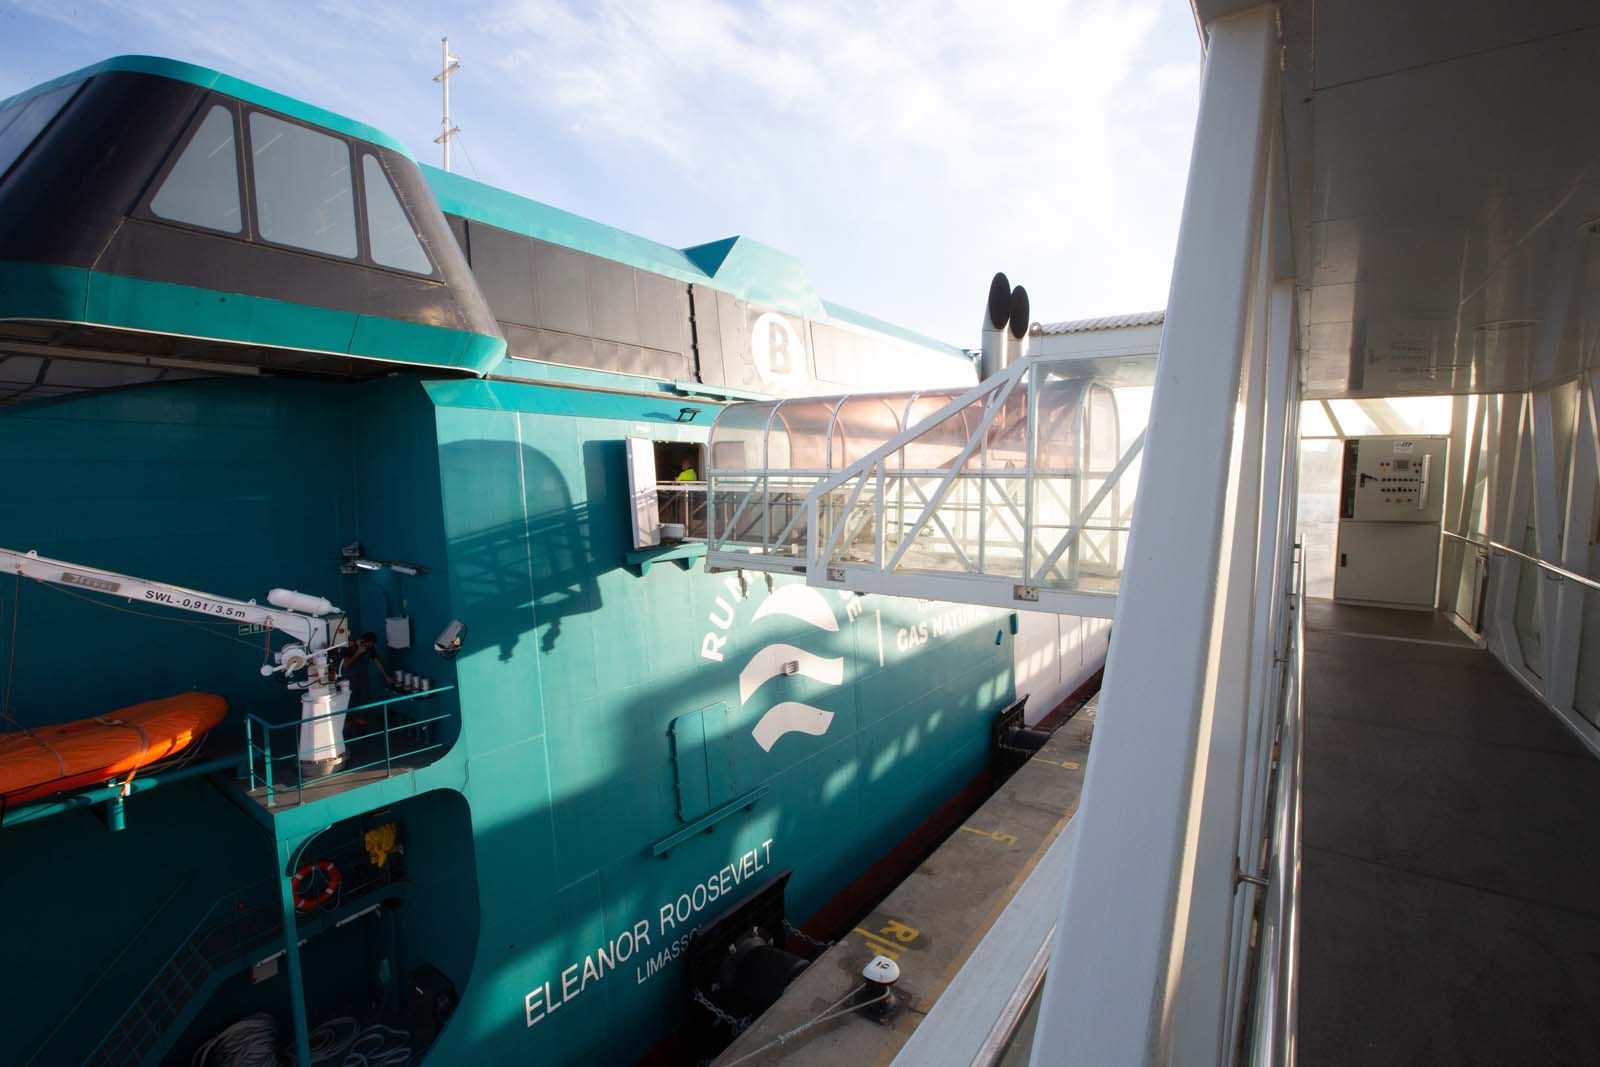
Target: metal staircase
238, 929
235, 931
1015, 493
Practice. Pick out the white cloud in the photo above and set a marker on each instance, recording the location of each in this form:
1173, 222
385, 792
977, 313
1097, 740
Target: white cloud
982, 136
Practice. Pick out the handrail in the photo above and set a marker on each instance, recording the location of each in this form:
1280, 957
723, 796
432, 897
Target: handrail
114, 793
1496, 546
108, 969
254, 724
1274, 1008
234, 913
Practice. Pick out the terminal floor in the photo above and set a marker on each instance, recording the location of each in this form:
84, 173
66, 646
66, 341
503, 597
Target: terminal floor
1451, 851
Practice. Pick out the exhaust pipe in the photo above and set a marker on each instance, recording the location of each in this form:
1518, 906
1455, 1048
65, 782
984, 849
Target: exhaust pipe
998, 313
1016, 338
1005, 327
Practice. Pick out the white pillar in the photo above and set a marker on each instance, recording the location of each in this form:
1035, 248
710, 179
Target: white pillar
1119, 958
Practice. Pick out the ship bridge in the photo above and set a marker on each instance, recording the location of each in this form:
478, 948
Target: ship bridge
1017, 492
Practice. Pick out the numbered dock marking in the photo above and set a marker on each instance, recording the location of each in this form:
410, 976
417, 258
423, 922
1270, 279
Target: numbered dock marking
993, 835
1068, 764
890, 938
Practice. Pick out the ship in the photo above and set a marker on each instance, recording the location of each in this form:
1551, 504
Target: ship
569, 795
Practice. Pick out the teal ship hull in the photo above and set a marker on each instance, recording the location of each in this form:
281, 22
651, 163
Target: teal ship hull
626, 750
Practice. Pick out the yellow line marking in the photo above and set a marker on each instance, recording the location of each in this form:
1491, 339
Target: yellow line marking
874, 941
993, 835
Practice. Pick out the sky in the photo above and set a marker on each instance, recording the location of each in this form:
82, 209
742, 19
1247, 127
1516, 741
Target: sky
903, 151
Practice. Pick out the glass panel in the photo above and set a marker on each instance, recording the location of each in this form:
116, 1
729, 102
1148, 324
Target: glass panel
303, 191
1353, 420
1587, 697
937, 446
1059, 447
864, 423
1530, 582
1005, 500
1391, 415
203, 186
1005, 447
1314, 421
803, 425
1321, 463
1413, 414
1104, 437
21, 123
394, 242
738, 439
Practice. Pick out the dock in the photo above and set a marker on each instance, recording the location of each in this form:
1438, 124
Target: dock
932, 923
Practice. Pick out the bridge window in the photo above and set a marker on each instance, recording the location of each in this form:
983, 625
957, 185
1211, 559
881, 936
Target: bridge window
304, 195
394, 242
22, 122
202, 188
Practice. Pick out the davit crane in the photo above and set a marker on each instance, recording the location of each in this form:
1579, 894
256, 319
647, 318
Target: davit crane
316, 627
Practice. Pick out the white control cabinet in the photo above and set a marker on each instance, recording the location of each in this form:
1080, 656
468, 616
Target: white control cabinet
1391, 501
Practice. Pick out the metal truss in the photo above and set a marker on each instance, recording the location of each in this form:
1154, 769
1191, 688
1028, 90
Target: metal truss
1015, 493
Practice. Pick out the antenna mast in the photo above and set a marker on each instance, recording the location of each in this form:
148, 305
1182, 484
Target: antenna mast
451, 64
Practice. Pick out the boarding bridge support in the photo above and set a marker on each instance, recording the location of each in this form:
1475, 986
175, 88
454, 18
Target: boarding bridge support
1154, 932
1016, 493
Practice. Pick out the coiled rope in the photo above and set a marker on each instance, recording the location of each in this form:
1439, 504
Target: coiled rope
253, 1042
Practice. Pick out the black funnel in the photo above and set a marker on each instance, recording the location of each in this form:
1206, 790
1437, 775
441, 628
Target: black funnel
999, 301
1018, 309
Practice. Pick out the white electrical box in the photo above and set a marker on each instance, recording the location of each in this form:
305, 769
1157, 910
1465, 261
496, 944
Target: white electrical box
1391, 503
397, 631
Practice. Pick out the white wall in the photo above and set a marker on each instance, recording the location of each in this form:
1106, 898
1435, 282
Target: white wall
1055, 655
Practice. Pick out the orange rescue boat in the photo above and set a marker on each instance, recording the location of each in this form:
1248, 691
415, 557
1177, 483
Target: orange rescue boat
51, 759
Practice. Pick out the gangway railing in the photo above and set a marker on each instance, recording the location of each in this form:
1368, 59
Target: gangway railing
1017, 492
1270, 994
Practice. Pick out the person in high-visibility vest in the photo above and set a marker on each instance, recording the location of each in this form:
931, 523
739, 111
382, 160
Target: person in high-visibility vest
687, 473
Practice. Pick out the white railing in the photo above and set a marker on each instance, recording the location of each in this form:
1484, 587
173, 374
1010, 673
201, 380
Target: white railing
1272, 1003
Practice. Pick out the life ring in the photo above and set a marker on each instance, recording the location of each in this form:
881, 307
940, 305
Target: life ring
330, 885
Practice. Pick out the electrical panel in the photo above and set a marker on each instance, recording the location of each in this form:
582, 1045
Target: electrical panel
1391, 503
1393, 479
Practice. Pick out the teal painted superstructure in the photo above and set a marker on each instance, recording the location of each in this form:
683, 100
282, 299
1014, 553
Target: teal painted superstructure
599, 788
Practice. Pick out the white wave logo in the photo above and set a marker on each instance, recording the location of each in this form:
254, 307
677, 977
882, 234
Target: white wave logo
770, 662
799, 602
790, 716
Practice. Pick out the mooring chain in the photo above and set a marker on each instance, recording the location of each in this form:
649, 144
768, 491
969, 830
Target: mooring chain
737, 1025
794, 931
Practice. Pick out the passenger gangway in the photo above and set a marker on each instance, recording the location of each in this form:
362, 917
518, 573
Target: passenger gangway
1017, 492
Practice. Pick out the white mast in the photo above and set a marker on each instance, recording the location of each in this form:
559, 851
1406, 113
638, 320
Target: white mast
450, 65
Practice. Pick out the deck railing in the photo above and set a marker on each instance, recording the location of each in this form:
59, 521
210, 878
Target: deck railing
1269, 1041
402, 740
683, 503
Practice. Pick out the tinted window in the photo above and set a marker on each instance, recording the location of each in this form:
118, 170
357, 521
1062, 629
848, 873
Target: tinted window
503, 264
203, 186
394, 242
20, 123
303, 191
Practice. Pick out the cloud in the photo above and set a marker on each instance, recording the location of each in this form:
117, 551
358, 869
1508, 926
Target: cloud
1016, 133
